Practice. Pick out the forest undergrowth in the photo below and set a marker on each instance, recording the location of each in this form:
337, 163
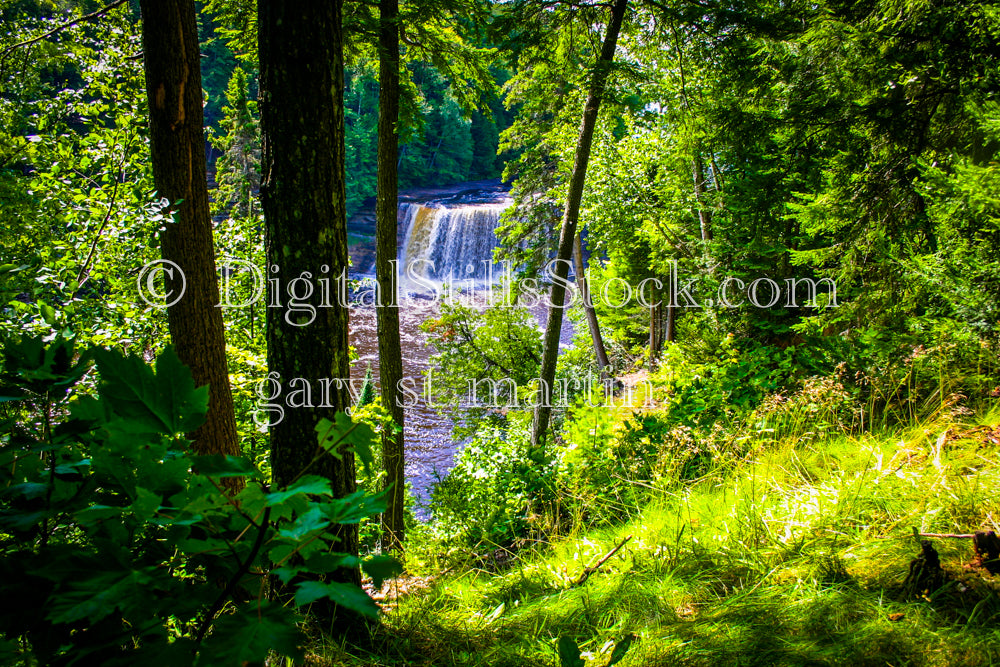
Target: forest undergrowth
788, 547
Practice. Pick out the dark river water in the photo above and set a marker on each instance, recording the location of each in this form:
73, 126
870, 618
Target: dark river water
427, 434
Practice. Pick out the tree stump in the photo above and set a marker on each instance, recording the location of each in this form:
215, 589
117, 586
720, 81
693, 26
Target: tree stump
987, 547
925, 573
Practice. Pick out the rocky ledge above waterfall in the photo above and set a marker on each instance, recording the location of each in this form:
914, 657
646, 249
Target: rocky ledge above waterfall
493, 191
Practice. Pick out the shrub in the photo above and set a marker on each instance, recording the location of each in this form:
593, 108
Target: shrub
497, 482
822, 406
118, 545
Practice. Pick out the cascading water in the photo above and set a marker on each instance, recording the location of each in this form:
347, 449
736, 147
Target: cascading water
450, 243
446, 237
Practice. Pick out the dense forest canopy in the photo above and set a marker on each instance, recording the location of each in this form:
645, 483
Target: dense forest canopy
734, 363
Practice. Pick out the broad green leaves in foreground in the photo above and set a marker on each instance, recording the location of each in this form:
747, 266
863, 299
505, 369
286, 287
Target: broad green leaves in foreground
119, 546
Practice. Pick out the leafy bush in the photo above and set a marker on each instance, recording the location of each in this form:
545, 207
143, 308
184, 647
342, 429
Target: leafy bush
490, 493
908, 375
822, 406
485, 360
119, 546
614, 458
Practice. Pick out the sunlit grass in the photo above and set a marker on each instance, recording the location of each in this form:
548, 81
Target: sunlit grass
795, 556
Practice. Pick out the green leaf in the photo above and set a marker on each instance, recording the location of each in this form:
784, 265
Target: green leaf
248, 635
355, 507
380, 568
359, 436
196, 546
312, 520
348, 596
95, 597
89, 409
96, 513
252, 499
223, 465
281, 553
166, 402
286, 574
22, 520
26, 491
40, 365
9, 651
313, 484
48, 313
621, 648
146, 504
324, 562
569, 653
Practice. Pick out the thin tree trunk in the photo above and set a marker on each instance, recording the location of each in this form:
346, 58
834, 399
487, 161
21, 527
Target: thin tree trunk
588, 308
716, 174
662, 328
671, 335
571, 216
654, 328
304, 202
177, 150
386, 220
704, 216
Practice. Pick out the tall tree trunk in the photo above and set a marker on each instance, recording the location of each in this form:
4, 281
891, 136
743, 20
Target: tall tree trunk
662, 326
304, 202
588, 308
177, 149
386, 213
571, 216
716, 174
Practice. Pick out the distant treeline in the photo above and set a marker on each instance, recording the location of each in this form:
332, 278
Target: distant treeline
440, 145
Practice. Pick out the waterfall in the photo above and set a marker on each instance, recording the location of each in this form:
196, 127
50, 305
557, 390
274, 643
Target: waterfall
450, 243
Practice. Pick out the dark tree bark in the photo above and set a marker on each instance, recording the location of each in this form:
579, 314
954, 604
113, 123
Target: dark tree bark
571, 217
304, 201
671, 334
177, 149
386, 211
588, 308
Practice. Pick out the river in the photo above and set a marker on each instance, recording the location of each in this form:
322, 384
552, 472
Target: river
442, 231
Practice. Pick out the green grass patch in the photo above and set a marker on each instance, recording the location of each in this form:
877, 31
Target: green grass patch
796, 556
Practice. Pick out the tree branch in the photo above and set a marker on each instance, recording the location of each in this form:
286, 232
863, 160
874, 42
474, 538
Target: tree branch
104, 223
69, 24
235, 580
587, 571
